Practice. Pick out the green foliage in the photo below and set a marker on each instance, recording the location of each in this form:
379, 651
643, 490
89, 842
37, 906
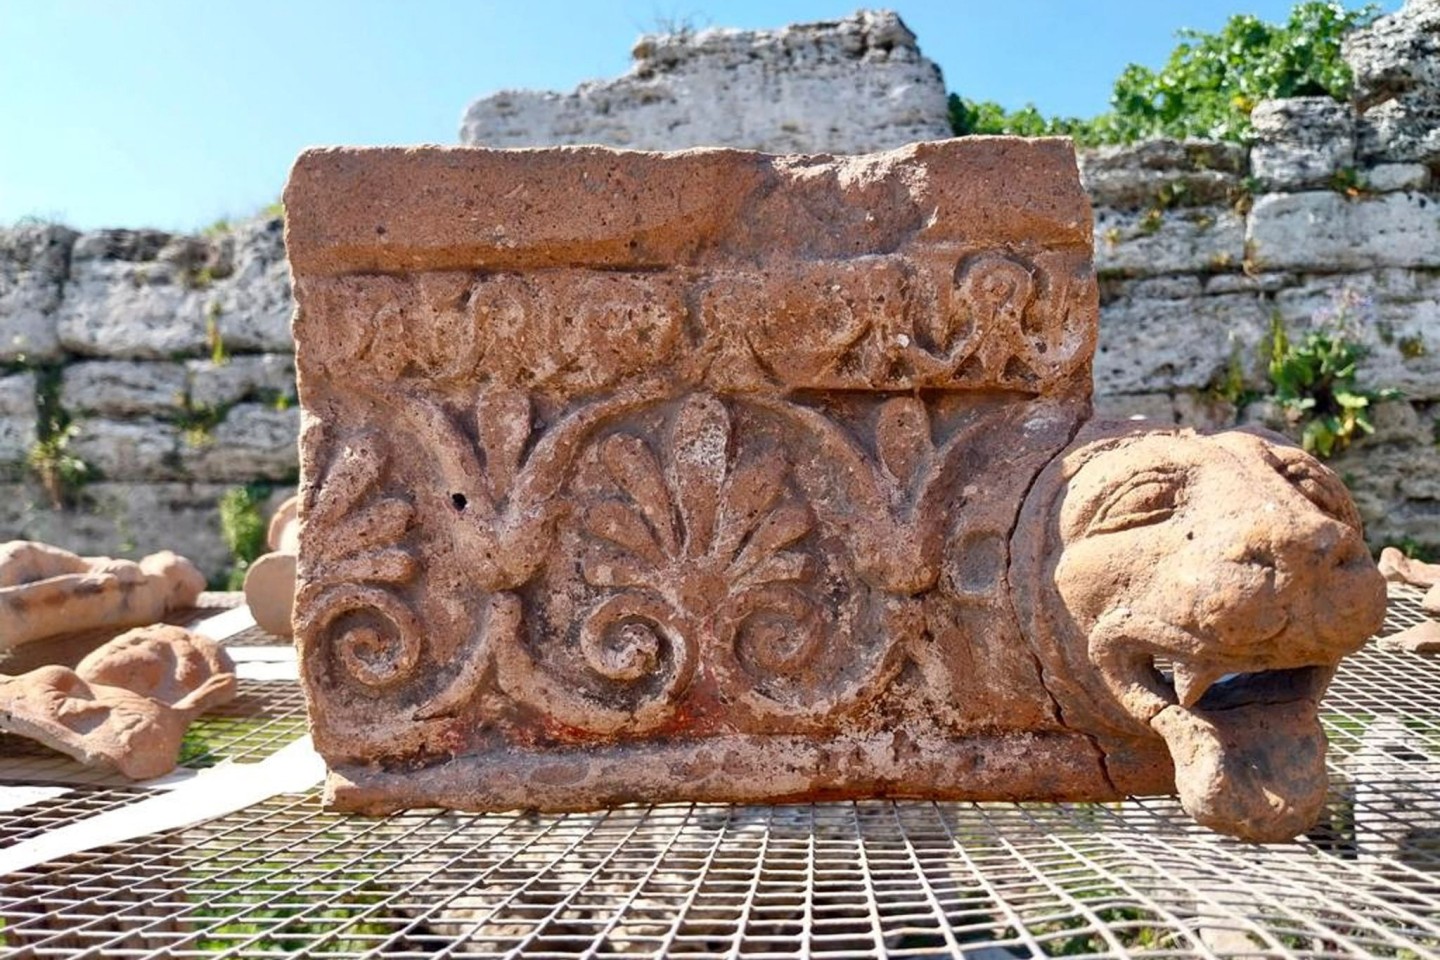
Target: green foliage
197, 422
1230, 387
243, 529
59, 471
1350, 182
988, 118
1213, 80
1314, 378
213, 338
262, 907
1207, 87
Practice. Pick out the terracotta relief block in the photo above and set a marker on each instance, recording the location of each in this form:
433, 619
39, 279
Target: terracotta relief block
720, 476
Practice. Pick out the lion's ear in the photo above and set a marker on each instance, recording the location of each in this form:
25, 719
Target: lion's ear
1262, 433
1321, 486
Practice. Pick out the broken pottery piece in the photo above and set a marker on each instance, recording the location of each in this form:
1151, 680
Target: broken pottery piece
1430, 603
166, 663
270, 580
714, 476
45, 591
127, 705
1396, 567
1421, 638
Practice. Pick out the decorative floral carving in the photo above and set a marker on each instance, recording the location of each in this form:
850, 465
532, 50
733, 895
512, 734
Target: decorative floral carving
699, 532
372, 632
1005, 323
705, 538
499, 491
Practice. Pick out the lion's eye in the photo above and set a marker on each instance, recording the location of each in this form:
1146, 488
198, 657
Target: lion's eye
1147, 499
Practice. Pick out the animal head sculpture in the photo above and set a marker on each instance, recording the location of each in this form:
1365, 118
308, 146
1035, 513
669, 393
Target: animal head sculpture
1202, 589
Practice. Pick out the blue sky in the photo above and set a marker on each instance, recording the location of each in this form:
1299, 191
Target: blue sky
176, 113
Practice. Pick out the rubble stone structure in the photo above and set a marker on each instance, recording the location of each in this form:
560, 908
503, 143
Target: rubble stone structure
717, 475
1197, 246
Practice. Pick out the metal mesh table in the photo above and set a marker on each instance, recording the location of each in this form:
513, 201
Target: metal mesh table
827, 880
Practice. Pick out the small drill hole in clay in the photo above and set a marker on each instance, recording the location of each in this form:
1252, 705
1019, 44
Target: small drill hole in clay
459, 500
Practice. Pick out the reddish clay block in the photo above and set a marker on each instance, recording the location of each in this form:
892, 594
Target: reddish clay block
1423, 637
1398, 568
718, 476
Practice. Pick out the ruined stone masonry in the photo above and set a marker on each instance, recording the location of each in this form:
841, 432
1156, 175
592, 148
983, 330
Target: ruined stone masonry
723, 476
1197, 245
846, 86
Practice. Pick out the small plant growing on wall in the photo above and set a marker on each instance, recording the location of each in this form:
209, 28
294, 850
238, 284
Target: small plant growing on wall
1314, 376
243, 529
60, 472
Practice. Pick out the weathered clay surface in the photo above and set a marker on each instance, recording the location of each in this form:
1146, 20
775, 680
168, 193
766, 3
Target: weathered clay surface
46, 591
270, 580
629, 477
1421, 638
165, 663
1398, 568
127, 705
1205, 586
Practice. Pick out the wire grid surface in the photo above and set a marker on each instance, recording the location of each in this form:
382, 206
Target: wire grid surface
828, 880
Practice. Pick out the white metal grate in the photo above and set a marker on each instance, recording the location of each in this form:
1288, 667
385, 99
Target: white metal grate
827, 880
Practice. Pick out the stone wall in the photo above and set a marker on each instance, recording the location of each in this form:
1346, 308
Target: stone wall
1198, 246
170, 356
847, 86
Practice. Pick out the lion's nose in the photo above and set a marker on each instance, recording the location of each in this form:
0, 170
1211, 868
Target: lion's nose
1328, 560
1334, 546
1307, 546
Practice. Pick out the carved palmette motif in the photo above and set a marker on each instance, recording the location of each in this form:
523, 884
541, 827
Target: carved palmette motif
645, 558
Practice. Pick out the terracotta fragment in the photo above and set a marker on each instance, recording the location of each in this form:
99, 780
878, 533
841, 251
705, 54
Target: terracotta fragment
127, 705
723, 477
1398, 568
270, 580
1421, 638
45, 591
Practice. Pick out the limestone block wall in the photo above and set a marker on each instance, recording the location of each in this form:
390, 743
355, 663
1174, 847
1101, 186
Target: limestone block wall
847, 86
1198, 245
162, 364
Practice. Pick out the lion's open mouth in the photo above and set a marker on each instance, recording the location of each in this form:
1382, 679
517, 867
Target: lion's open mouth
1248, 748
1191, 687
